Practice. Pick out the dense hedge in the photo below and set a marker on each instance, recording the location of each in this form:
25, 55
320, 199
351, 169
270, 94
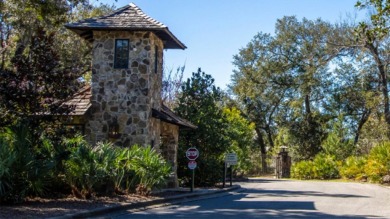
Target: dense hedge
324, 166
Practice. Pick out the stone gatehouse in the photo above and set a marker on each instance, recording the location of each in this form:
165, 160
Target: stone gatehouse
123, 103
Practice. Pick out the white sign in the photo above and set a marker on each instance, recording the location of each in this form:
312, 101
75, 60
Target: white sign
231, 158
192, 164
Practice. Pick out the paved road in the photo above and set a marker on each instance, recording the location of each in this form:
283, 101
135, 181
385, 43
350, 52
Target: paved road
264, 198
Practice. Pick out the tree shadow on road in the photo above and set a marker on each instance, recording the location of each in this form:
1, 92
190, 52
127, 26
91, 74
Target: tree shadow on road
245, 207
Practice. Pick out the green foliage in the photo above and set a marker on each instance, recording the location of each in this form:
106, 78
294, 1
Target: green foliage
7, 161
107, 168
38, 82
22, 173
325, 167
379, 19
302, 170
82, 172
322, 167
341, 148
378, 163
150, 168
306, 137
336, 143
241, 134
198, 103
353, 168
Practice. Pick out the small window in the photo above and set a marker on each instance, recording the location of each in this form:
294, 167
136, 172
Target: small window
121, 54
155, 59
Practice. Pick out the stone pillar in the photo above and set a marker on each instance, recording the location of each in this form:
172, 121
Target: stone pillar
283, 164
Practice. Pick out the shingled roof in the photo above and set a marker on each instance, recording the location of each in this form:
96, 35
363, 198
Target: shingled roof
128, 18
166, 115
81, 101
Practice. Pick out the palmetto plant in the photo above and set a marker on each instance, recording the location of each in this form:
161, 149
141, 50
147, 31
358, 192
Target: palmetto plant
21, 172
124, 177
7, 160
151, 169
378, 163
81, 171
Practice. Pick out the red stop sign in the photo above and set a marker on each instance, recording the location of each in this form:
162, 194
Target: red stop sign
192, 153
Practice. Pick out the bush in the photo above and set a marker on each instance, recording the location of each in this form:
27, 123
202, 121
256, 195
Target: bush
322, 167
150, 168
22, 172
107, 168
353, 168
90, 169
302, 170
325, 167
7, 161
378, 163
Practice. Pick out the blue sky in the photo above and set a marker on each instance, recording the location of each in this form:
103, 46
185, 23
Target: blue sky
215, 30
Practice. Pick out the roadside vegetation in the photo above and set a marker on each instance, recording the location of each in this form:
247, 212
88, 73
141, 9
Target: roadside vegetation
321, 89
46, 169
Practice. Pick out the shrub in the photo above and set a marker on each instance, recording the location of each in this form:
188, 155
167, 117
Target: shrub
22, 173
150, 168
325, 167
90, 169
80, 168
322, 167
107, 168
7, 161
302, 170
337, 146
353, 168
124, 177
378, 163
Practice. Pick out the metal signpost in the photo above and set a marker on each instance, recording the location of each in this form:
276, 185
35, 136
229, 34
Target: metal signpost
230, 159
192, 154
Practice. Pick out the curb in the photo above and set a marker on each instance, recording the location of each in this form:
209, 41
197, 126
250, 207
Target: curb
143, 205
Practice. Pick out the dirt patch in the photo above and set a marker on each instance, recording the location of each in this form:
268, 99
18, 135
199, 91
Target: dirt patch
46, 208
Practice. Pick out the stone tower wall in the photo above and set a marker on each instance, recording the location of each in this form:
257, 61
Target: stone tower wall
126, 95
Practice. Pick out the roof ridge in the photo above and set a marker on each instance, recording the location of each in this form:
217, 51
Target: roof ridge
140, 12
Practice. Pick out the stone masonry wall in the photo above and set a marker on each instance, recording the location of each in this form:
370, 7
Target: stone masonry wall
125, 95
169, 147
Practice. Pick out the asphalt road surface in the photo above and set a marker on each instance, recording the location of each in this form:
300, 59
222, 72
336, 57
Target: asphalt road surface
267, 198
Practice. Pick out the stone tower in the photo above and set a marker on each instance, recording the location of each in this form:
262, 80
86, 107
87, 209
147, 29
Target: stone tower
126, 75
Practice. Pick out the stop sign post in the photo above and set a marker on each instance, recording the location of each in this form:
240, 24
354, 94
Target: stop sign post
192, 154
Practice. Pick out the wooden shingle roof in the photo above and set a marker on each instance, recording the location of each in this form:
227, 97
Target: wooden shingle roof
80, 102
128, 18
166, 115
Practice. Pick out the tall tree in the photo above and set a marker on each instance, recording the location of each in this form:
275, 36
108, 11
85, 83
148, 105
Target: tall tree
283, 80
374, 38
259, 85
198, 102
38, 82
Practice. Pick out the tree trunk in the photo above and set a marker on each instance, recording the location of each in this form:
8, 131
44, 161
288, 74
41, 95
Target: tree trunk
269, 136
362, 121
263, 150
383, 77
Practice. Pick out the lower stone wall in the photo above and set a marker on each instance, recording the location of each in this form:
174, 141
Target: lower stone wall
168, 147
